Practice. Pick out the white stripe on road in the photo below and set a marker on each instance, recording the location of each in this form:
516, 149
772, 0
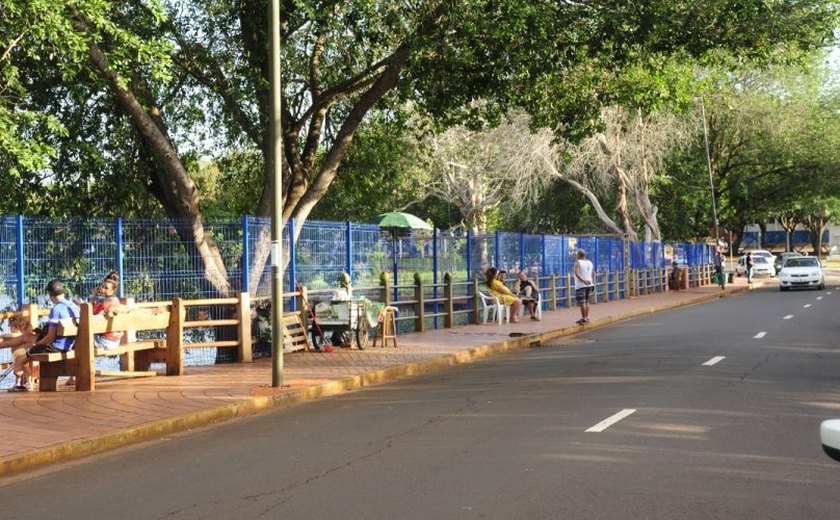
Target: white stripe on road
819, 297
714, 361
829, 292
806, 305
609, 421
760, 335
789, 316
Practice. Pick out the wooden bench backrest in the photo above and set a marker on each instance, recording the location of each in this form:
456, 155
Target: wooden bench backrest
136, 319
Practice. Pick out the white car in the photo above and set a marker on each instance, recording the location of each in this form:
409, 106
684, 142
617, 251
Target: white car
804, 271
768, 255
762, 266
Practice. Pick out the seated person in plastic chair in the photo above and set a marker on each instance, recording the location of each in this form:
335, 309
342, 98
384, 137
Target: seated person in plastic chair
674, 277
500, 291
527, 290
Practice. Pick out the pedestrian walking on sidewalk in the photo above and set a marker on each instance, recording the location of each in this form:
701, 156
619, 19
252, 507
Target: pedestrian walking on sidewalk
719, 274
584, 285
749, 263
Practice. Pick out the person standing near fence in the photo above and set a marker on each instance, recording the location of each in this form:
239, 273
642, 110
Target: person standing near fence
584, 285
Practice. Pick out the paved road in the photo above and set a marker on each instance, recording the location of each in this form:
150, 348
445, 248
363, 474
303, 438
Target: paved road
507, 437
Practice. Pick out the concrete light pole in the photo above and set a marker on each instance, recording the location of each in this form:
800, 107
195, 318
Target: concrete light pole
711, 178
275, 129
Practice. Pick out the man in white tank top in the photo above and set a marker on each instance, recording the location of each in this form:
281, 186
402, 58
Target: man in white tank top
584, 285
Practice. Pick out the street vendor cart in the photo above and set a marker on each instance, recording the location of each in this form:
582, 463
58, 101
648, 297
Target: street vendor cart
346, 320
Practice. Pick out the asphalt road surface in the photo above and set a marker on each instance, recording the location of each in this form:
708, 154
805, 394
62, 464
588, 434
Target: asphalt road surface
706, 412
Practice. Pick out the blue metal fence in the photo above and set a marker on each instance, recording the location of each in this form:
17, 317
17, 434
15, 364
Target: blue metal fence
156, 262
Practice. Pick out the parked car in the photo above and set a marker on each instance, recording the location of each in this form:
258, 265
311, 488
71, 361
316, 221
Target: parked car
803, 272
768, 255
781, 257
761, 266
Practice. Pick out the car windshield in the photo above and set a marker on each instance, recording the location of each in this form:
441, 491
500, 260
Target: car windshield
802, 262
760, 260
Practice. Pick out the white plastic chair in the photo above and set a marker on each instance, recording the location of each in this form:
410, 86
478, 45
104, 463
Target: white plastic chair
492, 304
522, 309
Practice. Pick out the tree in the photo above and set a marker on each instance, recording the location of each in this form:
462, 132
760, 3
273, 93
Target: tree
480, 171
816, 215
161, 80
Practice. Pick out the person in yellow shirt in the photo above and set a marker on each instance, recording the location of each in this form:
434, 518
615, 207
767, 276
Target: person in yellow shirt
500, 291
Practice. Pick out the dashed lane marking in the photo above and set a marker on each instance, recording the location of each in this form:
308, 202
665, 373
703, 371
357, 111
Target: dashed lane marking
819, 297
609, 421
714, 361
806, 305
789, 316
760, 334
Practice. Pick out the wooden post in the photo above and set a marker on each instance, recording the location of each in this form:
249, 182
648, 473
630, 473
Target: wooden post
552, 292
569, 290
302, 304
449, 304
175, 338
384, 289
420, 306
129, 336
85, 380
243, 310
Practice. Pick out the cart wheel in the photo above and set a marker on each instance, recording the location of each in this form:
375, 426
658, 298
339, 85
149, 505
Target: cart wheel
318, 339
362, 330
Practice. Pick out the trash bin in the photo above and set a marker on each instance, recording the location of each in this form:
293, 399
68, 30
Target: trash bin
731, 278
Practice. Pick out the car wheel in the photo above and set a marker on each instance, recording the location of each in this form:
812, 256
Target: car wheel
783, 288
821, 287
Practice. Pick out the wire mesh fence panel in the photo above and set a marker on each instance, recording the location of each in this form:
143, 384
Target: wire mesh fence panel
321, 254
482, 254
9, 293
369, 256
508, 254
452, 255
78, 252
532, 255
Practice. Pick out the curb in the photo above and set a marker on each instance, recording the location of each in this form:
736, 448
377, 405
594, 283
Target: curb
78, 449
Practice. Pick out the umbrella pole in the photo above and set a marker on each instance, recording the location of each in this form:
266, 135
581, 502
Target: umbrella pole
396, 264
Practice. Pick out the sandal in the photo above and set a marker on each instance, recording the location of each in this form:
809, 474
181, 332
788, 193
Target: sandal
19, 388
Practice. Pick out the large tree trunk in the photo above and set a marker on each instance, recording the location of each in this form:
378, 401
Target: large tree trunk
177, 188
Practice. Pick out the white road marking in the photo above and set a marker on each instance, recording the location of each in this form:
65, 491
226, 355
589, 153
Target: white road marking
819, 297
806, 305
609, 421
789, 316
829, 292
760, 334
714, 361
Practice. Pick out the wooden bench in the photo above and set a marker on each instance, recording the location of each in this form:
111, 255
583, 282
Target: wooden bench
79, 362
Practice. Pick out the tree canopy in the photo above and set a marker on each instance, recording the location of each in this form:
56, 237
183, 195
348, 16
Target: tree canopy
126, 97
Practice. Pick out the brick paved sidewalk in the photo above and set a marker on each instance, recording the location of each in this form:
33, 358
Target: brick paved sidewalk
43, 428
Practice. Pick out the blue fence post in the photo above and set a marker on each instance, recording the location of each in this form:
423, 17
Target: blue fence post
597, 253
292, 263
521, 251
469, 256
496, 243
348, 239
435, 271
542, 266
21, 282
246, 255
120, 256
